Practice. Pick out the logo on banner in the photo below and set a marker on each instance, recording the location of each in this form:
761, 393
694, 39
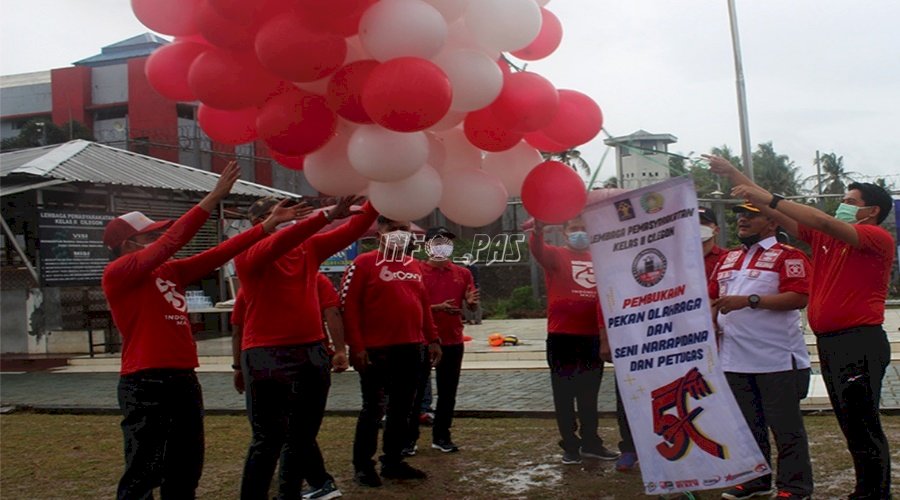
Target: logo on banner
583, 273
679, 430
652, 202
649, 267
625, 210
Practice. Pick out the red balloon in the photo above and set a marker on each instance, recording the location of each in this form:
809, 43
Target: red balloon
290, 49
226, 79
528, 102
543, 143
407, 94
228, 126
578, 120
345, 90
553, 192
243, 11
547, 40
485, 133
504, 67
236, 34
340, 17
291, 162
167, 69
169, 17
296, 122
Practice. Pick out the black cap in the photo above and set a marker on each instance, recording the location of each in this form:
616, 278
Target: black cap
434, 232
261, 207
745, 207
706, 216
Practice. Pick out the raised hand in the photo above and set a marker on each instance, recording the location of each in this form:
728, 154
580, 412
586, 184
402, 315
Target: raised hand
753, 193
343, 208
473, 296
284, 212
719, 165
223, 186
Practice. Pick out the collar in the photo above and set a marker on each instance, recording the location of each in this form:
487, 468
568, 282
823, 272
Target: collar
765, 244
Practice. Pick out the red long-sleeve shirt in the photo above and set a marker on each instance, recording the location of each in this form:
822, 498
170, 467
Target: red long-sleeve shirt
571, 288
145, 291
278, 276
443, 283
385, 303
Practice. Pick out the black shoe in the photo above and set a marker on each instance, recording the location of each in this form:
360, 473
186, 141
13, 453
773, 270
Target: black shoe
571, 458
367, 477
600, 452
748, 491
402, 470
445, 445
410, 451
328, 491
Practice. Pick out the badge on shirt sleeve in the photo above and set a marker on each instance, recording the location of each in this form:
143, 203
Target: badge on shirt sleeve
730, 259
795, 268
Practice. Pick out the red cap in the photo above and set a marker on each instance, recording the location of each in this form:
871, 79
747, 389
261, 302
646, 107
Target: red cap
125, 227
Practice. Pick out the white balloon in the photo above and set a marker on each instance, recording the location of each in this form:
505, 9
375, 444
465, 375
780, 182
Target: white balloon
506, 25
459, 37
437, 153
476, 79
543, 2
408, 199
450, 120
328, 169
473, 198
355, 51
461, 154
450, 9
384, 155
512, 166
398, 28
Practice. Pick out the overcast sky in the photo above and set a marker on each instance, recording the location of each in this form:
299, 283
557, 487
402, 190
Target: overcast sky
820, 74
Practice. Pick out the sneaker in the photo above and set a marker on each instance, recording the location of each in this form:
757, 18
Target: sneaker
410, 451
571, 458
445, 445
367, 477
744, 491
426, 418
328, 491
627, 461
402, 470
791, 496
601, 452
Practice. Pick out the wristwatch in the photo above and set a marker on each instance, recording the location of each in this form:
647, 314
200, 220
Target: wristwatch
753, 300
775, 199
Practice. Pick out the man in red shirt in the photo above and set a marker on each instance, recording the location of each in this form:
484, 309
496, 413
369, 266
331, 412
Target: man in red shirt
709, 231
158, 391
285, 362
573, 339
852, 259
450, 287
387, 317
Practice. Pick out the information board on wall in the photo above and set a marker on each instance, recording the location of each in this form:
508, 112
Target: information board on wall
71, 247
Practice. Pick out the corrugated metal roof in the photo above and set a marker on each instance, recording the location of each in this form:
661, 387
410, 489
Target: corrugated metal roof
86, 161
22, 79
136, 46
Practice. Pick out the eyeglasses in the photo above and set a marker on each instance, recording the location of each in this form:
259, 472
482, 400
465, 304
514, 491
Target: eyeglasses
748, 215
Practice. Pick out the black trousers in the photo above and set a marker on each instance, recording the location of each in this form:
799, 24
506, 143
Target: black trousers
162, 426
772, 401
626, 445
853, 365
447, 375
576, 371
393, 371
286, 390
423, 382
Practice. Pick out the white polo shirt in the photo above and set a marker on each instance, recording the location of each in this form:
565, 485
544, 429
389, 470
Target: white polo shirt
761, 340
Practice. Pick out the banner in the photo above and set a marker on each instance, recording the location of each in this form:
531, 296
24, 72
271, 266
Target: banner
338, 262
72, 252
687, 427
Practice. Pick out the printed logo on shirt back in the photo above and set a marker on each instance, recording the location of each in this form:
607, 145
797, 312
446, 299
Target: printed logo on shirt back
388, 275
583, 273
170, 293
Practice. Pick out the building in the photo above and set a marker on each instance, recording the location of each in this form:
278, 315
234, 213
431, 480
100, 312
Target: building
109, 93
642, 158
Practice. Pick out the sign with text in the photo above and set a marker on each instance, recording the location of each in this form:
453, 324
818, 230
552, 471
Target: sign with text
648, 263
338, 262
72, 252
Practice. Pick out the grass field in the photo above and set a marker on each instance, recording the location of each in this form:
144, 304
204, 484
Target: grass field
69, 456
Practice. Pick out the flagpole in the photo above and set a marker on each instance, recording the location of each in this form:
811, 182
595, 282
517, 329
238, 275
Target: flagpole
746, 155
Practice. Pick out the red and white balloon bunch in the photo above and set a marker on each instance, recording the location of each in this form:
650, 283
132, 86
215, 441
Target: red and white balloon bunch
409, 101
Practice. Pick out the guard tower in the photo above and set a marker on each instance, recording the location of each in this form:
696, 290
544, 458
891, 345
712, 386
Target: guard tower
641, 158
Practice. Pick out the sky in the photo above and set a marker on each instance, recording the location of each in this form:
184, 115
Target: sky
819, 74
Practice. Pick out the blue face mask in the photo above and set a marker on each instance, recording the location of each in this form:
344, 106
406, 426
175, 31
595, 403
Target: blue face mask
846, 213
579, 240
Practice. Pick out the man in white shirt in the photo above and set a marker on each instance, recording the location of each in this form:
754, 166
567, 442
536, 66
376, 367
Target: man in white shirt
757, 291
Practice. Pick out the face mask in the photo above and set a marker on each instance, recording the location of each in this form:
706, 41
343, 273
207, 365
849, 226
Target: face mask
749, 241
441, 252
578, 240
706, 233
847, 213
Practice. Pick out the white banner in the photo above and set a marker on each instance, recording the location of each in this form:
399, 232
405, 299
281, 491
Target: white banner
687, 427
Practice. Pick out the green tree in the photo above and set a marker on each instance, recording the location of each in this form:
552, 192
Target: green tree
775, 172
834, 178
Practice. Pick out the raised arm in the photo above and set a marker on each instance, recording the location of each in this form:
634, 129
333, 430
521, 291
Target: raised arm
329, 243
539, 248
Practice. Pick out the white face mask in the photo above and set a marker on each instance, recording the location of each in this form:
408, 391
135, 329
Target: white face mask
706, 233
442, 251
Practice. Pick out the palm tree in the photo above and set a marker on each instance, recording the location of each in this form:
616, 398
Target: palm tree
834, 178
775, 172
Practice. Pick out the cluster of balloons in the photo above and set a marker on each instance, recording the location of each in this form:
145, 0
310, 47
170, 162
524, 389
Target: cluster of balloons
408, 101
